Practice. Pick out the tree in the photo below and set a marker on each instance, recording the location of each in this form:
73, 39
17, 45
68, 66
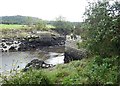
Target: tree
103, 27
29, 20
62, 24
41, 25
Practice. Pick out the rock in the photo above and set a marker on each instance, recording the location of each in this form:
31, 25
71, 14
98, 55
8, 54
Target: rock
37, 64
10, 46
74, 54
44, 41
32, 42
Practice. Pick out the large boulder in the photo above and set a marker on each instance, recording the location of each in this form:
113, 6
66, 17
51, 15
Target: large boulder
74, 54
37, 64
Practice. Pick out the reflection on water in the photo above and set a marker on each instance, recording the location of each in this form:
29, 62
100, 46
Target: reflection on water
18, 60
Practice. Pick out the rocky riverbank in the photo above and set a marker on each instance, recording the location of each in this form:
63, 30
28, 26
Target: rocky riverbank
42, 39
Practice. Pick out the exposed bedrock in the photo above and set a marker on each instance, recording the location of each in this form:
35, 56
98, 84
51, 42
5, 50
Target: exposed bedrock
74, 54
30, 43
34, 43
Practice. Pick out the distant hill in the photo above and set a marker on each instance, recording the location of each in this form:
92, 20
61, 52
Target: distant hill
28, 20
18, 20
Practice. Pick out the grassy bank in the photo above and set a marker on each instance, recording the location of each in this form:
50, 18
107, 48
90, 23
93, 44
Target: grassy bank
16, 26
15, 30
86, 71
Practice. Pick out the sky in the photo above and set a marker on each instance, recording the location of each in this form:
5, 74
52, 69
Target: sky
72, 10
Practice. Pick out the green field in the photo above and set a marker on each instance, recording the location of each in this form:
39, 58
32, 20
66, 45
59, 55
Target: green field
50, 26
10, 30
16, 26
11, 26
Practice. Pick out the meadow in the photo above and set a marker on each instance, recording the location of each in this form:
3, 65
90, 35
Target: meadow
11, 26
17, 26
16, 30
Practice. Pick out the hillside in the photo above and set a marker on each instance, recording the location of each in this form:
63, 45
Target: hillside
18, 20
26, 20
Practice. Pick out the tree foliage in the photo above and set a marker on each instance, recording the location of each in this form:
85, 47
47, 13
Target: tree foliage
41, 25
61, 23
103, 27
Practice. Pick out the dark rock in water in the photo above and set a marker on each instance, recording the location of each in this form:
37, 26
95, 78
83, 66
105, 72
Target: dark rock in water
12, 48
37, 64
74, 54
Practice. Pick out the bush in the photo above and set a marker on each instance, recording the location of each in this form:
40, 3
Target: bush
100, 69
103, 28
41, 25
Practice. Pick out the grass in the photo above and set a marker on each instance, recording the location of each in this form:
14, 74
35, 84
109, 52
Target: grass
12, 26
86, 71
14, 30
16, 26
50, 26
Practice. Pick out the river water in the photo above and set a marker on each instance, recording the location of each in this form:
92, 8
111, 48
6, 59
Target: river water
18, 60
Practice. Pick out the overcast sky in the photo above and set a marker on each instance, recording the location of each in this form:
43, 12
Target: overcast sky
44, 9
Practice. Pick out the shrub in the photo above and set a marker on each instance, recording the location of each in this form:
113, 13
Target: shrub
30, 77
103, 28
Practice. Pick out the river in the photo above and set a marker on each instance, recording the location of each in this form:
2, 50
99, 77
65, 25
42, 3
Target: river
51, 55
18, 60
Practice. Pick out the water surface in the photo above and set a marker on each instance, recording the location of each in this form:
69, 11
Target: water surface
18, 60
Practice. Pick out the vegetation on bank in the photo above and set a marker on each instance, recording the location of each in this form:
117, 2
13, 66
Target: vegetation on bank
93, 70
15, 30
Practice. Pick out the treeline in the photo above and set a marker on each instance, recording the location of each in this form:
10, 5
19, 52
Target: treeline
60, 24
18, 19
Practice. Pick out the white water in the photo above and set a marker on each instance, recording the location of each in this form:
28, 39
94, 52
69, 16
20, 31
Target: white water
55, 58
